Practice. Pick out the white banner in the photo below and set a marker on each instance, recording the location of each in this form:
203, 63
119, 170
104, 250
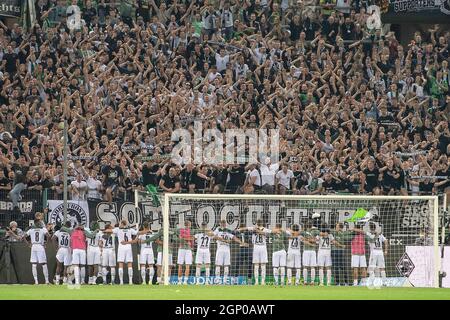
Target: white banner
422, 257
77, 212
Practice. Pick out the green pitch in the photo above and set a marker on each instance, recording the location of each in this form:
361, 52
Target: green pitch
139, 292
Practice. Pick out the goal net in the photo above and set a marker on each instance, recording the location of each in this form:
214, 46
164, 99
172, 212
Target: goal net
299, 240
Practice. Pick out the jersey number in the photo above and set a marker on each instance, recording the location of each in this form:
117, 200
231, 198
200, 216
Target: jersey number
125, 237
326, 242
205, 241
64, 241
259, 238
36, 236
294, 243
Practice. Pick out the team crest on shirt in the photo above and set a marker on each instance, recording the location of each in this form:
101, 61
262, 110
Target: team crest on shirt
76, 214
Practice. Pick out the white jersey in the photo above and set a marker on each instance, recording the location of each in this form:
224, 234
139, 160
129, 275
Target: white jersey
37, 235
325, 242
259, 239
63, 239
124, 235
226, 235
144, 245
376, 243
93, 242
294, 243
203, 241
109, 242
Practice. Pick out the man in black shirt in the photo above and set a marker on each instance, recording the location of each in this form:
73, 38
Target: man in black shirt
112, 178
370, 177
20, 182
150, 173
237, 177
391, 177
219, 177
170, 182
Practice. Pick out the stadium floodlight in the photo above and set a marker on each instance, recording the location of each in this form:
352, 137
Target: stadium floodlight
322, 240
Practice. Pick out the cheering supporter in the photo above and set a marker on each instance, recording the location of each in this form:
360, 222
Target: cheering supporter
356, 110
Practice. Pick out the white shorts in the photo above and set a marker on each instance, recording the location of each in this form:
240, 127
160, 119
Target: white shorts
203, 256
159, 259
78, 257
294, 259
64, 256
324, 258
184, 256
124, 254
260, 254
359, 261
309, 258
223, 257
377, 261
109, 257
279, 259
93, 256
146, 257
38, 254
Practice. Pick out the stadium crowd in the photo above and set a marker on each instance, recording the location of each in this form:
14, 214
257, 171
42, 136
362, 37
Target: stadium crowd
357, 111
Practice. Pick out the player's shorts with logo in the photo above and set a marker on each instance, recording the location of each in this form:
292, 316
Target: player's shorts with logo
358, 261
294, 259
279, 259
146, 256
309, 258
109, 257
125, 254
376, 260
159, 259
93, 256
184, 256
260, 254
203, 256
38, 254
78, 256
324, 258
64, 256
223, 257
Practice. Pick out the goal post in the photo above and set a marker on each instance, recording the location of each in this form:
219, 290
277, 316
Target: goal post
406, 226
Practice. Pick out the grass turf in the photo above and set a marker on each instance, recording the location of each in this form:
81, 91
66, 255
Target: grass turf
139, 292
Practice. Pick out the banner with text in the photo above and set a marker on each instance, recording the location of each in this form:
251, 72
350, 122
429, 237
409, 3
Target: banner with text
77, 212
415, 11
10, 8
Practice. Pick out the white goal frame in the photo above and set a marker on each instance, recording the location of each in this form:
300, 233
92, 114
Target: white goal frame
187, 196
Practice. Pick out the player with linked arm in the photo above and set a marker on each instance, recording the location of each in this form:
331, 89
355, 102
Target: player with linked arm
294, 258
259, 241
223, 253
63, 255
279, 238
125, 233
325, 240
37, 234
108, 250
376, 260
309, 258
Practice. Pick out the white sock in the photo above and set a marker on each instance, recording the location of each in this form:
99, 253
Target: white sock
76, 273
282, 273
226, 271
355, 282
313, 275
90, 280
275, 275
83, 274
104, 273
57, 278
263, 273
329, 277
256, 273
305, 274
217, 272
158, 279
34, 271
383, 275
45, 271
297, 275
94, 280
321, 275
121, 275
113, 274
130, 275
197, 274
143, 274
151, 273
207, 272
289, 275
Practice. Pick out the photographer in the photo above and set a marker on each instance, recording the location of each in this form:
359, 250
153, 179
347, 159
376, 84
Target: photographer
14, 233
